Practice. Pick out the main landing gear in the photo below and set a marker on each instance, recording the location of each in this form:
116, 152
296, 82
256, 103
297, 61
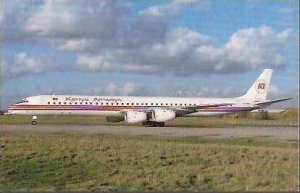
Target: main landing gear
153, 124
34, 120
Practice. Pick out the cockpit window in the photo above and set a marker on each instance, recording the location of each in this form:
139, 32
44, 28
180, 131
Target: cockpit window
23, 101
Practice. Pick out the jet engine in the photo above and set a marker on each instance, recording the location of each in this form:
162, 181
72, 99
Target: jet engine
162, 115
135, 117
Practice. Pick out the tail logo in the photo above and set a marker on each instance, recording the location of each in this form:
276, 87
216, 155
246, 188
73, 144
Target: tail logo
261, 86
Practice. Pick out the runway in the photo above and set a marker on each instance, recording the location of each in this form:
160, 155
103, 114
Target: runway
284, 133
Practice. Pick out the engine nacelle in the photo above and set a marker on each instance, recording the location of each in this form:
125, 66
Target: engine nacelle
162, 115
135, 117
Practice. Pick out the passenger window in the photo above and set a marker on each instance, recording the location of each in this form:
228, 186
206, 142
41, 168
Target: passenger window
48, 103
171, 104
156, 104
112, 103
137, 103
175, 104
70, 103
54, 103
151, 104
127, 103
146, 104
75, 103
106, 103
161, 104
91, 103
96, 103
166, 104
132, 103
59, 103
65, 103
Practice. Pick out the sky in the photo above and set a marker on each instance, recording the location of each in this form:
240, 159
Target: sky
193, 48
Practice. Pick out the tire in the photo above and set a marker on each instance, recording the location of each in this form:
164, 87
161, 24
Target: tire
146, 124
153, 124
162, 124
33, 122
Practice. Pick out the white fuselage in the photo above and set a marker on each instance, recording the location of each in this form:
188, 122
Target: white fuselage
115, 105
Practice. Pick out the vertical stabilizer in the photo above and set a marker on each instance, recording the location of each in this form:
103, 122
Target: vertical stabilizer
259, 89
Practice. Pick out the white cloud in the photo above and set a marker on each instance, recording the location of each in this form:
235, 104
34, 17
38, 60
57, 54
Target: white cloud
183, 40
109, 44
93, 63
23, 64
185, 52
126, 89
129, 88
75, 19
75, 44
111, 89
170, 8
257, 47
51, 19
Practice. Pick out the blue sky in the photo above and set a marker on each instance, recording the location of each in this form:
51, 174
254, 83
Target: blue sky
157, 48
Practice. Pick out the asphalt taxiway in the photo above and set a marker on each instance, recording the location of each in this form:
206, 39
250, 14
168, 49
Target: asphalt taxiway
284, 133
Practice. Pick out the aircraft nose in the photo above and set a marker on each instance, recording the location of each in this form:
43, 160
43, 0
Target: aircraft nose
11, 107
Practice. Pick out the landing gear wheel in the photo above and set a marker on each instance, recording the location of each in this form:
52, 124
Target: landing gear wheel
34, 118
161, 124
146, 124
153, 124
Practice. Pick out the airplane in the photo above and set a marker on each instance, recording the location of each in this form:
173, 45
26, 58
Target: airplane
150, 111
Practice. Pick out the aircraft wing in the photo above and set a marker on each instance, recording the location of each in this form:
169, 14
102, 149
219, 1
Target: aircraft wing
192, 109
266, 103
205, 106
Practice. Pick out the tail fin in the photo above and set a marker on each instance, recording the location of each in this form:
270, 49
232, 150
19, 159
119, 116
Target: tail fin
259, 89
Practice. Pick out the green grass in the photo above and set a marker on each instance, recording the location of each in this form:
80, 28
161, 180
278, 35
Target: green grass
127, 163
290, 117
287, 118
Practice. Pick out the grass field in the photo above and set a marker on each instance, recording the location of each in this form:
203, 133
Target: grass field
287, 118
121, 163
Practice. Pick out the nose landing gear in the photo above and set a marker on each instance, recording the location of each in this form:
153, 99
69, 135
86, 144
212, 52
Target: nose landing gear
34, 120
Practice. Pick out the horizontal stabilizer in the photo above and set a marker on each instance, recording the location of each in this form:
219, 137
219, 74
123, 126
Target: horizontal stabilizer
266, 103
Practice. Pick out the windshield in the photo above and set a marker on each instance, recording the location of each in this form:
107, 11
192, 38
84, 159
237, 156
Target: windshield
22, 101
